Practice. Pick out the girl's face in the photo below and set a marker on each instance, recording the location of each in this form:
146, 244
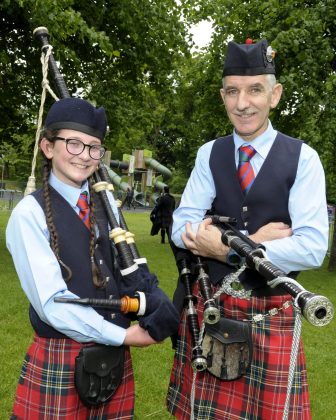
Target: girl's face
68, 168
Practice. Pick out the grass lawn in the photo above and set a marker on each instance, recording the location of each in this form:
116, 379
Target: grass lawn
152, 365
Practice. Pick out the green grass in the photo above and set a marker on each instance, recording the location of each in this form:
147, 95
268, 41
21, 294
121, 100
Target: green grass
152, 365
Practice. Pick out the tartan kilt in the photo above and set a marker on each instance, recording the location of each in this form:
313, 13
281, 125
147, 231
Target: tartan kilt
46, 388
261, 393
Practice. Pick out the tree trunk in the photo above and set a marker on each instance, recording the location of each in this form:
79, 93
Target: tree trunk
332, 260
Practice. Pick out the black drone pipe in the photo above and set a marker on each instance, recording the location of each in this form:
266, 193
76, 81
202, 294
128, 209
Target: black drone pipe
42, 35
129, 236
117, 234
198, 361
317, 309
123, 305
211, 312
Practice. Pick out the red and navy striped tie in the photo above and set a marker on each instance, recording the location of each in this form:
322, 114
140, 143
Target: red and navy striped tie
83, 205
245, 170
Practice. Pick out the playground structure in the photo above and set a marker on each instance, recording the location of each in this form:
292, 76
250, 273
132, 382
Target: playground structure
141, 171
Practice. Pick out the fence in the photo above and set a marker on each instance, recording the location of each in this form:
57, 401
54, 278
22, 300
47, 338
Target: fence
9, 199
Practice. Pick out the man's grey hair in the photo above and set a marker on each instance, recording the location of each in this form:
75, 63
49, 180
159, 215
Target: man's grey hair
271, 80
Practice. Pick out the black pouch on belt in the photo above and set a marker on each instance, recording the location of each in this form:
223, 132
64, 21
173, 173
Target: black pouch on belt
98, 373
227, 346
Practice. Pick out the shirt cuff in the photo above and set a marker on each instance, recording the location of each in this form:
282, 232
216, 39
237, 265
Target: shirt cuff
113, 334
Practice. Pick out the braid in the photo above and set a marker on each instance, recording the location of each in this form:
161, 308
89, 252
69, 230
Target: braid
48, 210
49, 218
96, 275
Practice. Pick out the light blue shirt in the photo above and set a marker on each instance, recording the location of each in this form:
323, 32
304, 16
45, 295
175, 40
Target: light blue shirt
307, 206
27, 238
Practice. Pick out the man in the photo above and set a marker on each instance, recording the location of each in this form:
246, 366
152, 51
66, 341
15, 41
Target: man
129, 197
267, 186
165, 207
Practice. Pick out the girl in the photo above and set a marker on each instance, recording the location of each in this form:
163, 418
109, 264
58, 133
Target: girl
58, 254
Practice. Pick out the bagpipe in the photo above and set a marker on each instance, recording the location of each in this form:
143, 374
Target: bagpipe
316, 309
143, 297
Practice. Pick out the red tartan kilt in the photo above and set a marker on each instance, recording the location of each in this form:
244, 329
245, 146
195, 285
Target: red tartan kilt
261, 393
46, 387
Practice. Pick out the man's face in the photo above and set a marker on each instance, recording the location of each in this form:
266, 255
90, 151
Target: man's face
248, 101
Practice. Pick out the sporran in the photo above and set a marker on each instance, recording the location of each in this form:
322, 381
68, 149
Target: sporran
227, 346
98, 373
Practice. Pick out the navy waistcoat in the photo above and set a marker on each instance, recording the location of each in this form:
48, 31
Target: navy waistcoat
74, 245
266, 201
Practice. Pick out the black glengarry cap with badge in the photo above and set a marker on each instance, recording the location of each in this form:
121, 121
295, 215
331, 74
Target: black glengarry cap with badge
249, 59
77, 114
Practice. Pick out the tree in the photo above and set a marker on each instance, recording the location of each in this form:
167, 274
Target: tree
332, 259
303, 34
119, 53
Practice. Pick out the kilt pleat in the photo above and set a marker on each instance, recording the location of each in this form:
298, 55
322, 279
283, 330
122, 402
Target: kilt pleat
46, 389
261, 393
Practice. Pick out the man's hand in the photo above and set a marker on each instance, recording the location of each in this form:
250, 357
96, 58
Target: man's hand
206, 241
271, 231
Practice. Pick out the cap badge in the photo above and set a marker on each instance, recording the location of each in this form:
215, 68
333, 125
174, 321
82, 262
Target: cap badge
270, 54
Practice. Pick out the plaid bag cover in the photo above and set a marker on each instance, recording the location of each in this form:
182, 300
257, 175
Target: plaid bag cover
259, 395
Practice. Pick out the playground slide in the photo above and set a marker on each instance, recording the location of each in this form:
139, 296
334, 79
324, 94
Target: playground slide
163, 170
116, 180
151, 163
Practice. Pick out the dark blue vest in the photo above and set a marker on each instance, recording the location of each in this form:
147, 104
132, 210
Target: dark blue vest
74, 243
266, 201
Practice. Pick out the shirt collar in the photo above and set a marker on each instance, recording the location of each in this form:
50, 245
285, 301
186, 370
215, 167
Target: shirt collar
68, 192
262, 144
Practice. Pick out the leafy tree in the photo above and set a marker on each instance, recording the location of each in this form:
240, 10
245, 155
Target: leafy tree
303, 33
118, 53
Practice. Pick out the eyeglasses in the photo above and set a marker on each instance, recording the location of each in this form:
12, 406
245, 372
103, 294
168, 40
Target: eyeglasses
76, 147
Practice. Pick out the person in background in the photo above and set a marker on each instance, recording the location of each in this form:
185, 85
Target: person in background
163, 214
58, 237
129, 198
264, 179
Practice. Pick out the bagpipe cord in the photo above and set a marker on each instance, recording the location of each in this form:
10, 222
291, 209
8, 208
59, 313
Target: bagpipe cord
31, 185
